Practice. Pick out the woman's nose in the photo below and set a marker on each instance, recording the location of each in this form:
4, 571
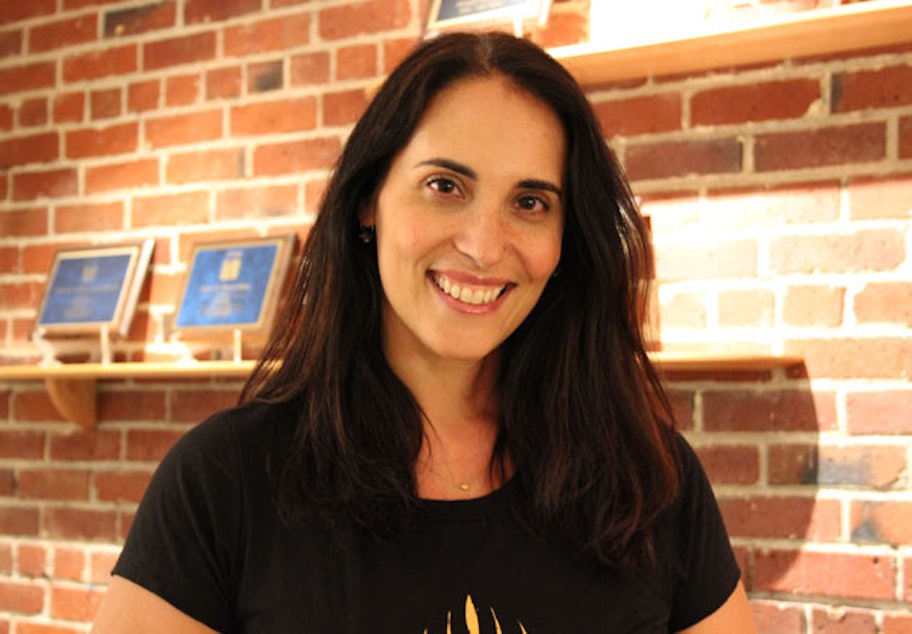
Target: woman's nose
483, 236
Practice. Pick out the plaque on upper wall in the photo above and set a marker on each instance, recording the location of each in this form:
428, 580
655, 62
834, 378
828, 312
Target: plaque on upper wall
233, 285
462, 14
91, 289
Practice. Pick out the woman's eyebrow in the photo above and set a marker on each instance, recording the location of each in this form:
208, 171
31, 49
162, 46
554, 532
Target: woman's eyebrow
459, 168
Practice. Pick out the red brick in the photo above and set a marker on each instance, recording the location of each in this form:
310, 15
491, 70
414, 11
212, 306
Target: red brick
836, 575
884, 302
69, 563
223, 164
32, 560
27, 77
188, 49
170, 209
22, 444
34, 406
81, 4
81, 446
77, 604
6, 118
273, 34
183, 90
56, 484
748, 410
648, 114
905, 137
792, 517
89, 217
773, 618
846, 357
25, 598
122, 175
843, 621
80, 524
394, 51
10, 43
108, 62
565, 28
708, 260
859, 251
356, 62
372, 16
223, 83
897, 623
24, 222
119, 138
52, 35
35, 148
186, 128
747, 308
767, 101
857, 143
15, 11
69, 108
684, 310
143, 96
730, 464
295, 156
128, 486
197, 11
882, 522
105, 104
19, 521
133, 21
193, 406
256, 202
344, 108
46, 184
875, 198
146, 445
133, 405
867, 466
669, 159
813, 306
6, 558
265, 76
270, 117
882, 88
880, 412
309, 69
33, 112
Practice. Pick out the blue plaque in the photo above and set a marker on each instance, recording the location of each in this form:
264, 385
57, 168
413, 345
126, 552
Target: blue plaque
89, 288
233, 284
462, 13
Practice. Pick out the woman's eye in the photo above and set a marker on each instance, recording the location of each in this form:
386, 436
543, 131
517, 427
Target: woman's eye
533, 203
442, 185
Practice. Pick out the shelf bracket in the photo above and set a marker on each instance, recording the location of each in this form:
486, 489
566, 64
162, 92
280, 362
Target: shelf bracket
75, 399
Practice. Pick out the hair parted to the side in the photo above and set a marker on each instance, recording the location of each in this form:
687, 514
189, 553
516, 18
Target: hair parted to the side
583, 411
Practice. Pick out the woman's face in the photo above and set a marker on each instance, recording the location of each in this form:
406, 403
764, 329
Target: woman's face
469, 221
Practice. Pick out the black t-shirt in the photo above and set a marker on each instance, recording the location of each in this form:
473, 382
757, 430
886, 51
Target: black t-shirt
208, 538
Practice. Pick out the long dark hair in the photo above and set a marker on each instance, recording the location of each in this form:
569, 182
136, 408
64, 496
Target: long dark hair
583, 410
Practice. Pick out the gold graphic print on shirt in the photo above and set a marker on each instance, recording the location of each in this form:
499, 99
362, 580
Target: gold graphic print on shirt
473, 624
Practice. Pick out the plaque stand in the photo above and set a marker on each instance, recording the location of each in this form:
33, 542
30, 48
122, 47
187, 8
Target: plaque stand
105, 340
48, 353
236, 346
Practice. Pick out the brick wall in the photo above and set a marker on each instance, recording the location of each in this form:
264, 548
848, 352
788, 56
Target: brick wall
781, 202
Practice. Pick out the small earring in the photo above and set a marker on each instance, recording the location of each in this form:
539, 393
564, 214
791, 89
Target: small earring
366, 233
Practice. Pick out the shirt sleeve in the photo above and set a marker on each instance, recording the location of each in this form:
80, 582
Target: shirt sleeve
182, 543
709, 570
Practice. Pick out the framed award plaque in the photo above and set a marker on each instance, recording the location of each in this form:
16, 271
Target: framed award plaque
94, 289
233, 285
447, 14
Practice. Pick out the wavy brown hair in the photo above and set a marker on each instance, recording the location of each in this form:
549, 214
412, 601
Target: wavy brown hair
583, 411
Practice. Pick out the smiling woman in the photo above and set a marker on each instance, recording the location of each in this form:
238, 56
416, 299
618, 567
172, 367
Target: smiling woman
455, 426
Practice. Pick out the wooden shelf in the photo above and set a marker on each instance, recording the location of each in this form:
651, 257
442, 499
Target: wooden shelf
72, 387
816, 32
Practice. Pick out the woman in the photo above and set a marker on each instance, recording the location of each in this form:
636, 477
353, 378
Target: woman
455, 426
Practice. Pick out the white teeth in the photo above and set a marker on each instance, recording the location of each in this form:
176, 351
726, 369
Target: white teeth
469, 296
